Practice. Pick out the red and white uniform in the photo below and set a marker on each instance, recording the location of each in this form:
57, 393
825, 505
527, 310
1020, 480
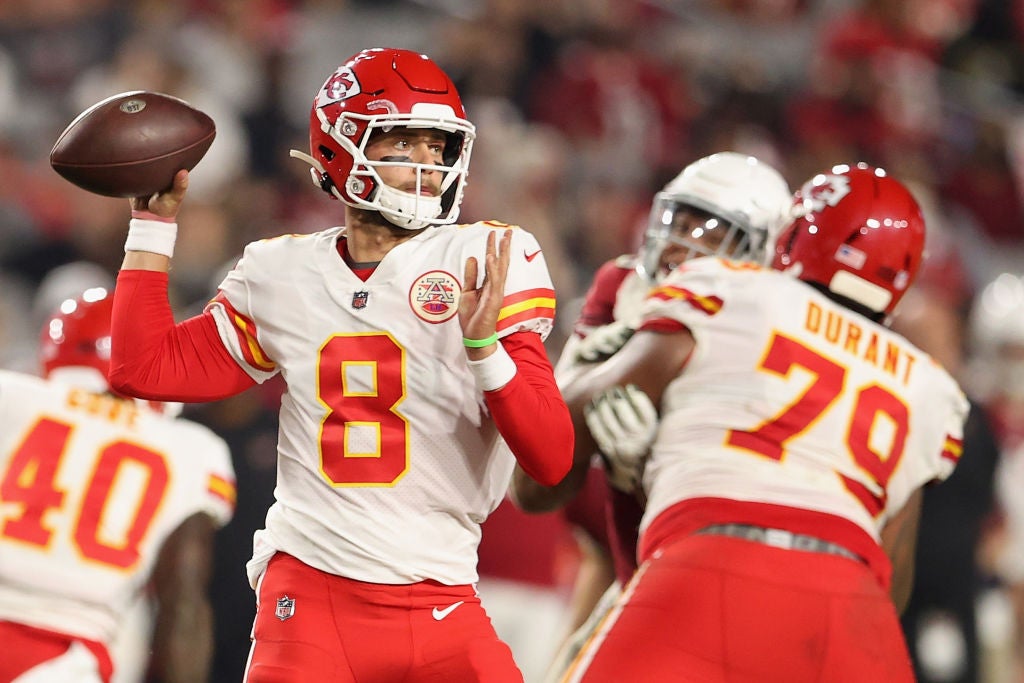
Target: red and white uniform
790, 399
387, 461
90, 488
389, 455
793, 413
616, 293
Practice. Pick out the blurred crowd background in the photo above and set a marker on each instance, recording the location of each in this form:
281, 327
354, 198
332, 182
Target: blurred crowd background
584, 109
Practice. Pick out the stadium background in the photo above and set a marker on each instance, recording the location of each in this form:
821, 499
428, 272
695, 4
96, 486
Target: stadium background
584, 108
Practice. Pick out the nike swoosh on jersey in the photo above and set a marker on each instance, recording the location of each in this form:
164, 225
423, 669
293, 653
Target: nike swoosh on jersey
530, 257
440, 614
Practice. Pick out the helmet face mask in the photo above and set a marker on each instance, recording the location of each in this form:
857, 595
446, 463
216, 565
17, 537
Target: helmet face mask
858, 233
377, 92
677, 232
726, 204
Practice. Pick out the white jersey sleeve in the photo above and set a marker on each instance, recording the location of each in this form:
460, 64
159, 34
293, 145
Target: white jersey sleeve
792, 399
529, 295
387, 457
92, 487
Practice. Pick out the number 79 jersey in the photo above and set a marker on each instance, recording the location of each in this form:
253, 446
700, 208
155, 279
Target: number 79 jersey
387, 458
90, 488
794, 400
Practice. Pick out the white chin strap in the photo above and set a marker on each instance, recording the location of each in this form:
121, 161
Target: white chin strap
406, 210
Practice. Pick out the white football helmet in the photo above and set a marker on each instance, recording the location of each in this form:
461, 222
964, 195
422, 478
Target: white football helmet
996, 326
737, 200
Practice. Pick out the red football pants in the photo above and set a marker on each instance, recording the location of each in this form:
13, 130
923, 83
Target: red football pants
346, 631
25, 647
715, 609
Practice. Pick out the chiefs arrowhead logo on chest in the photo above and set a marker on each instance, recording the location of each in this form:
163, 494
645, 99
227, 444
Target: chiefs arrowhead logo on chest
434, 296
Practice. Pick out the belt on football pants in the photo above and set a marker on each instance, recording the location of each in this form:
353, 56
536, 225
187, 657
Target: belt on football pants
780, 538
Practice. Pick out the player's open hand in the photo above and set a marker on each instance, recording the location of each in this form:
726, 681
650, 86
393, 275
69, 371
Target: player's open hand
479, 306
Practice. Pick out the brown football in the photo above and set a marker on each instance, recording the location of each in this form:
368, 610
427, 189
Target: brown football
132, 144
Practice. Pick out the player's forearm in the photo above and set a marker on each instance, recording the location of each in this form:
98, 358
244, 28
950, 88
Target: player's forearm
899, 540
531, 495
536, 428
155, 359
530, 413
144, 260
183, 636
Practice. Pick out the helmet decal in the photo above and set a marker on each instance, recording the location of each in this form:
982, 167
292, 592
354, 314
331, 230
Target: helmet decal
825, 190
382, 105
851, 256
342, 85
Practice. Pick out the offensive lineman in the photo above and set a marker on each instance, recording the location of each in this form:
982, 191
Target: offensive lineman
796, 431
727, 204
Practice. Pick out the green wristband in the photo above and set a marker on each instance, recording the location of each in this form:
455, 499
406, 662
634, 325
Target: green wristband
480, 343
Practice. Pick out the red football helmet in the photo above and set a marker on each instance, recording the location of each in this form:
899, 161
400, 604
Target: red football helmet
74, 346
75, 342
380, 89
858, 232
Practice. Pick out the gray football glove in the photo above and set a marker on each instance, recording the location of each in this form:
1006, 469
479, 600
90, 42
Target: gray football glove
602, 342
623, 422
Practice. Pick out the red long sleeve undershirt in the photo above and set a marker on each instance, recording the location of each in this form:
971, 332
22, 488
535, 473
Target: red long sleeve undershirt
154, 358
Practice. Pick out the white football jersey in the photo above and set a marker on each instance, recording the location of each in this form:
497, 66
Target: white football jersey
792, 399
90, 488
387, 458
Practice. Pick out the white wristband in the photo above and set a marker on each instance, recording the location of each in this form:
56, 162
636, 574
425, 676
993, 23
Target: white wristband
156, 237
493, 372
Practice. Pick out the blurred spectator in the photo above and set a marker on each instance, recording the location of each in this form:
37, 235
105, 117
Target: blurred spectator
940, 621
997, 333
614, 101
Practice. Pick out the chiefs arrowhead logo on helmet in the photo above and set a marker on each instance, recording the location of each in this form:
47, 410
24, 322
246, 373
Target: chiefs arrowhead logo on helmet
340, 86
822, 191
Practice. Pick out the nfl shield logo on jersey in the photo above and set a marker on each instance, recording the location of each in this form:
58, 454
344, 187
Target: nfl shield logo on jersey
359, 300
285, 608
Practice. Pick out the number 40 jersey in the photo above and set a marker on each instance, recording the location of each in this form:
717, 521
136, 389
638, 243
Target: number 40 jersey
90, 487
793, 400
